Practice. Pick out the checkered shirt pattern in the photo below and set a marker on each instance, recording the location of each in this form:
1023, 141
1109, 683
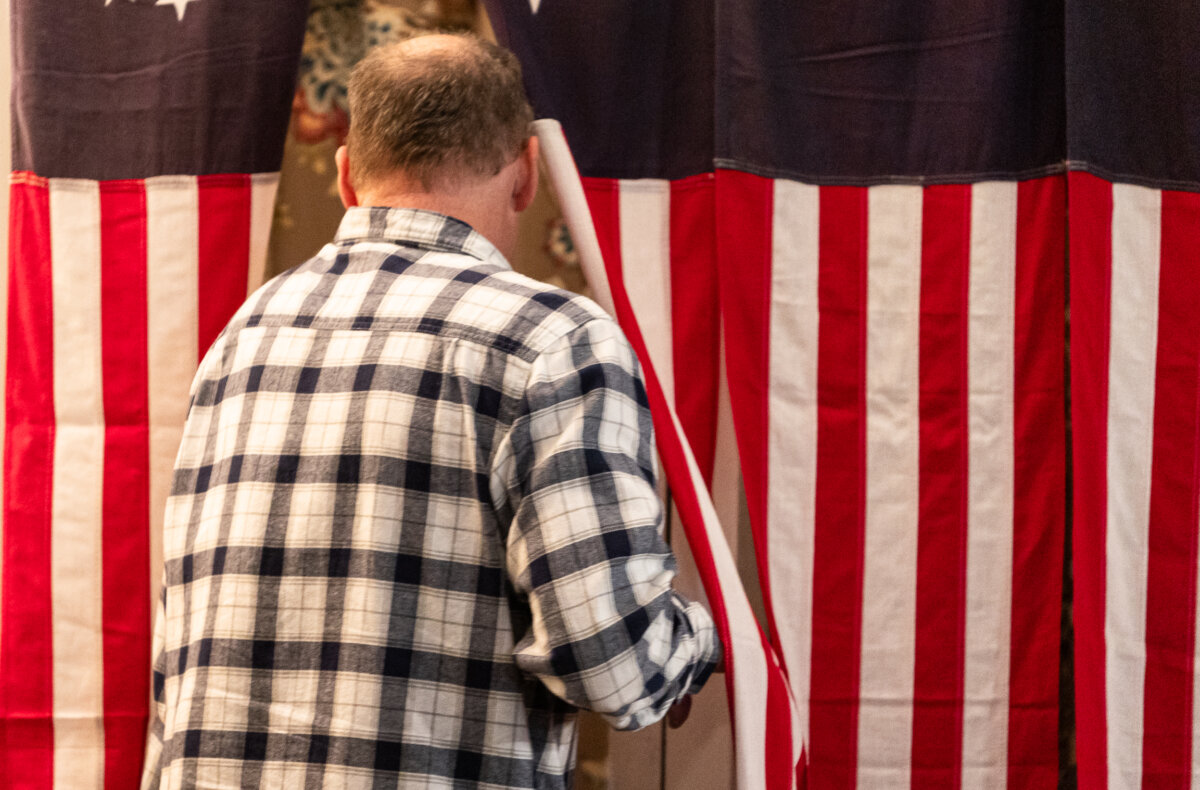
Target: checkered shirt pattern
413, 528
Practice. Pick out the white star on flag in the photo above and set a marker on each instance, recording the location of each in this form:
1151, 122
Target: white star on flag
180, 6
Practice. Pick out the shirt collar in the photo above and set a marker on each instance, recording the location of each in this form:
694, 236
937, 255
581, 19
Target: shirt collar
419, 228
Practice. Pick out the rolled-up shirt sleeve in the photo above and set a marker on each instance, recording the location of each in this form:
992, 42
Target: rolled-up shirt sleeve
585, 549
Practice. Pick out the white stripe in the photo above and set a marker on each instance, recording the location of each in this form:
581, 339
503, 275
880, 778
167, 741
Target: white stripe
263, 187
749, 661
792, 428
893, 456
76, 569
1133, 320
645, 222
990, 364
172, 291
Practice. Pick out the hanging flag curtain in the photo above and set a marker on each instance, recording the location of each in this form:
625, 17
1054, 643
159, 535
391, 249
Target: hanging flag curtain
868, 203
1134, 143
873, 200
147, 140
764, 714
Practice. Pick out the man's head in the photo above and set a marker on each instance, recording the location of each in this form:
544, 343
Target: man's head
441, 122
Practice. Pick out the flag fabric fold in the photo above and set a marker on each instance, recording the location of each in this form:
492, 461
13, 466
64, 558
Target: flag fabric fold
762, 707
878, 218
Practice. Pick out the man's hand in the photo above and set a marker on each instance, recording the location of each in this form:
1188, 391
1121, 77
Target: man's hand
678, 712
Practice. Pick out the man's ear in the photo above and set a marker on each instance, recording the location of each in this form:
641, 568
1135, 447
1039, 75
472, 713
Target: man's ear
526, 184
345, 188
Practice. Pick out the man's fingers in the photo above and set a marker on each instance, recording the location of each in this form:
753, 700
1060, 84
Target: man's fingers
678, 712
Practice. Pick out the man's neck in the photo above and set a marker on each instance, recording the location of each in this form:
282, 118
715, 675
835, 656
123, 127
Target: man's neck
491, 204
480, 205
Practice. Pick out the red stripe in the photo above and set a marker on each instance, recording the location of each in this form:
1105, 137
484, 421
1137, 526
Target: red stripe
942, 530
1039, 482
1091, 281
695, 323
603, 200
840, 484
745, 208
26, 649
780, 772
224, 255
1171, 593
126, 526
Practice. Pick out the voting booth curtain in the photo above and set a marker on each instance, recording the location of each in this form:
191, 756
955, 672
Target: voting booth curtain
869, 206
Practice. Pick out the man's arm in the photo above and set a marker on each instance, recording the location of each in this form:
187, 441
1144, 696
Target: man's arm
608, 634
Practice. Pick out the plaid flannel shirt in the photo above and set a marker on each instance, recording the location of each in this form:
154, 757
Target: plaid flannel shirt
413, 527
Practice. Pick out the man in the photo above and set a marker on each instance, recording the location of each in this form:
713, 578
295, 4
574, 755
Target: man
413, 525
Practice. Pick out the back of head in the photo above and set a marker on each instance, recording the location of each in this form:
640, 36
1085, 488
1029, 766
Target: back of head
436, 109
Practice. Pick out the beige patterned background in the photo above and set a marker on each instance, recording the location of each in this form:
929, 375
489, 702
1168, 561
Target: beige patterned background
307, 209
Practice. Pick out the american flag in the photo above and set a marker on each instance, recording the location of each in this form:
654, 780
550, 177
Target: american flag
1135, 382
869, 205
1136, 379
755, 678
147, 137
